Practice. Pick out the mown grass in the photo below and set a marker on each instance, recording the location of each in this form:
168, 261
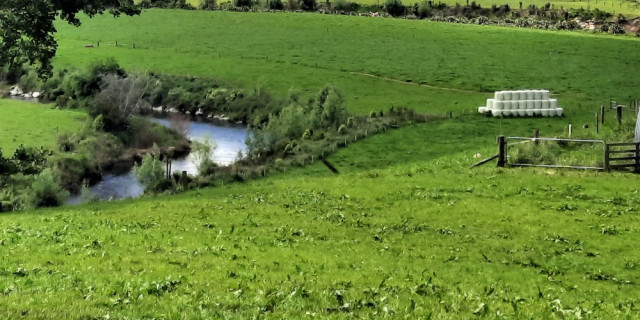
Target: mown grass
405, 229
428, 237
34, 125
313, 50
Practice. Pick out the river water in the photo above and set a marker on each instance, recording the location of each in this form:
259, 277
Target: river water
229, 138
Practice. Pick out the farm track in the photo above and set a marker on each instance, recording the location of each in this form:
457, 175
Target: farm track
413, 83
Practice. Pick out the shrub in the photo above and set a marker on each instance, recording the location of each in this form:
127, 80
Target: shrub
45, 191
202, 153
276, 5
119, 99
151, 170
343, 5
242, 3
308, 5
208, 4
394, 8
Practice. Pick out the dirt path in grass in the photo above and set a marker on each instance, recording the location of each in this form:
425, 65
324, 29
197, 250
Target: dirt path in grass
412, 83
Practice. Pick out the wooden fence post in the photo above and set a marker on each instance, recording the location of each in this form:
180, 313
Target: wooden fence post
602, 114
606, 157
536, 135
501, 153
619, 114
637, 158
597, 124
570, 129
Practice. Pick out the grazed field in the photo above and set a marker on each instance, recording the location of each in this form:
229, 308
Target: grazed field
34, 125
405, 230
313, 50
426, 237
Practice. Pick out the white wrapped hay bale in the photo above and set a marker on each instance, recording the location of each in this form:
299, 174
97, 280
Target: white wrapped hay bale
522, 105
496, 113
545, 95
490, 103
522, 95
530, 104
498, 96
537, 94
546, 104
506, 95
530, 95
483, 110
537, 104
498, 105
553, 103
559, 112
545, 112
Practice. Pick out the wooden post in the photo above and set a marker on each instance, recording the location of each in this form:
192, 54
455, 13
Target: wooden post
637, 158
570, 129
536, 135
597, 124
619, 114
602, 114
501, 153
606, 157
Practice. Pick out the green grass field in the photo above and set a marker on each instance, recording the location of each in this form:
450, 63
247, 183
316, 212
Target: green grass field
34, 125
405, 230
395, 240
258, 48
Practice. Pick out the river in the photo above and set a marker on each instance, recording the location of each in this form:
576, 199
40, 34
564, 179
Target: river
229, 138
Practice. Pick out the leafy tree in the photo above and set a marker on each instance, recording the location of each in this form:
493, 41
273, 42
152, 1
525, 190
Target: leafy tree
151, 170
394, 7
27, 30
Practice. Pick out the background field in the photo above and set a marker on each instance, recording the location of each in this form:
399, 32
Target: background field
405, 229
313, 50
34, 125
629, 8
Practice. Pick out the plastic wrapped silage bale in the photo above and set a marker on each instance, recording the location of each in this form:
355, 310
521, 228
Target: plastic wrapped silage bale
498, 105
506, 95
531, 104
522, 106
496, 113
546, 104
538, 104
538, 94
522, 95
498, 96
559, 112
483, 110
553, 103
490, 103
545, 95
530, 95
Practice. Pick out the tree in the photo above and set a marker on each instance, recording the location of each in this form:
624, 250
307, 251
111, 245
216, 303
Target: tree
119, 99
27, 30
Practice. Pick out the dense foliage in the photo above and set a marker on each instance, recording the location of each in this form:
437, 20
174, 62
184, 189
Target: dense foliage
28, 30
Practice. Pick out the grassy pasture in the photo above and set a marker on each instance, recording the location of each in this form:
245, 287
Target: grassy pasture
405, 230
34, 125
258, 48
400, 239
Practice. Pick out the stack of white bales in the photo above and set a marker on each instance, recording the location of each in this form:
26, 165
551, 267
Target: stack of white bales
522, 103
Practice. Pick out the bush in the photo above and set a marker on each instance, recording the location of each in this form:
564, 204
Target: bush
242, 3
208, 4
343, 5
309, 5
151, 170
276, 5
119, 99
45, 191
394, 8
